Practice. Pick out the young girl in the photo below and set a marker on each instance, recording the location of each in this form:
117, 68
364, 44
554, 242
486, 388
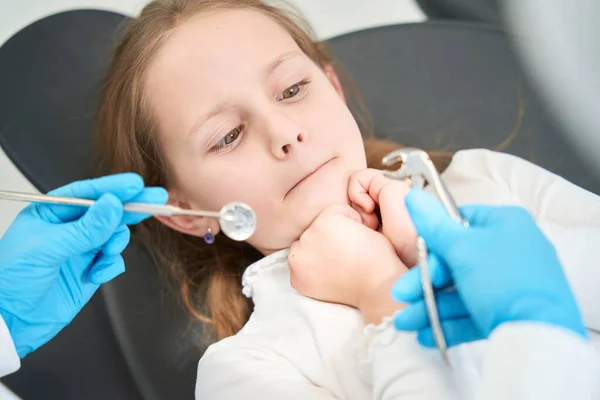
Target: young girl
230, 100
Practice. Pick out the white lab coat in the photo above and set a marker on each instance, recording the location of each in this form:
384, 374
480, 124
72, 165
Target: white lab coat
9, 359
298, 348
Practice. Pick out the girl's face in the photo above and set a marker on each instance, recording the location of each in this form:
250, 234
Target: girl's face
244, 115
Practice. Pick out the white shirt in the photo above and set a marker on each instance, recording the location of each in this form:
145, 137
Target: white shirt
294, 347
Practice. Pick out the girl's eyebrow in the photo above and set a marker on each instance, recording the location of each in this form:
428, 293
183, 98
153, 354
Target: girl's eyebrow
216, 110
272, 66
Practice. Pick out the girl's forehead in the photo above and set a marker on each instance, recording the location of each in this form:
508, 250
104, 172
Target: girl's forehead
231, 34
227, 45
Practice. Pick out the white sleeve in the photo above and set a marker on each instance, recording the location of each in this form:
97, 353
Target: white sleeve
519, 361
527, 361
566, 213
398, 367
9, 359
252, 374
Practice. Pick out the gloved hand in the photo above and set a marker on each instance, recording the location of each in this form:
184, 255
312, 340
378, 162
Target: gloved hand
503, 267
54, 257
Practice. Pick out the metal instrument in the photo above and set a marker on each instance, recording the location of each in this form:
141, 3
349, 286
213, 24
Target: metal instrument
418, 167
237, 220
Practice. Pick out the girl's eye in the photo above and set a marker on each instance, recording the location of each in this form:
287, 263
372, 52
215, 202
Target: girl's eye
231, 136
293, 90
228, 139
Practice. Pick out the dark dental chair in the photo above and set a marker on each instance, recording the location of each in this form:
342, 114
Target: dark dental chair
470, 10
440, 85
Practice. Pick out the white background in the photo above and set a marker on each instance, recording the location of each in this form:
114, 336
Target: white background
328, 17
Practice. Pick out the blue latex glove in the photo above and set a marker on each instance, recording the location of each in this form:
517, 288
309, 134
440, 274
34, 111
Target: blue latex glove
503, 267
53, 258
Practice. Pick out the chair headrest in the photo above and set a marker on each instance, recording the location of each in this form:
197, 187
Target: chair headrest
448, 85
50, 75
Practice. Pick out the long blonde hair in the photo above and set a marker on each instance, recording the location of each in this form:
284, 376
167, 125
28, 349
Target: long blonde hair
208, 277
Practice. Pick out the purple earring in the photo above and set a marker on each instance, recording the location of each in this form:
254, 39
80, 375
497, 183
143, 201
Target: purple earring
209, 237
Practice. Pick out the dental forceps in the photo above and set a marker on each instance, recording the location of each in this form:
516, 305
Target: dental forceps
237, 220
418, 167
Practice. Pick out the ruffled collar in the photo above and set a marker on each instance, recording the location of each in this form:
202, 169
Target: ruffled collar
269, 263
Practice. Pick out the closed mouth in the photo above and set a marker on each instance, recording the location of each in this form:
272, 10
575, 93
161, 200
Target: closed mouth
308, 176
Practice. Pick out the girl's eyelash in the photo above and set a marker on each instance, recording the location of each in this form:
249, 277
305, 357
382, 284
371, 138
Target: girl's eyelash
300, 84
220, 147
303, 82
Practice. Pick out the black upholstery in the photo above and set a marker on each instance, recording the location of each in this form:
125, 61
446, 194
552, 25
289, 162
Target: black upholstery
472, 10
455, 85
434, 85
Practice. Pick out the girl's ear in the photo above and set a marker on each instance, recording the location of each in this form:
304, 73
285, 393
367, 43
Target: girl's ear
195, 226
335, 80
